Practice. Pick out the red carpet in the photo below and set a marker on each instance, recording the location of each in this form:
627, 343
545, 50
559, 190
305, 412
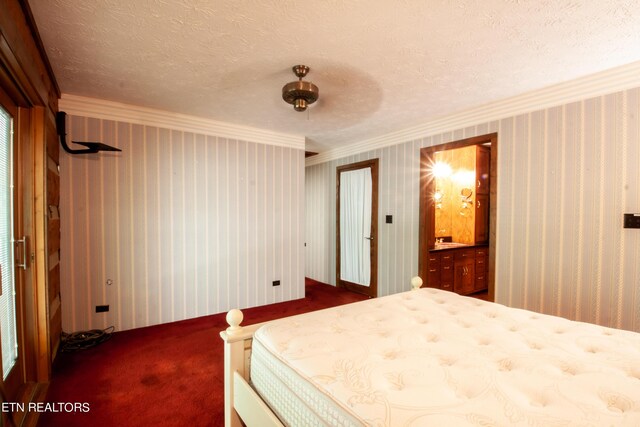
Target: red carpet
165, 375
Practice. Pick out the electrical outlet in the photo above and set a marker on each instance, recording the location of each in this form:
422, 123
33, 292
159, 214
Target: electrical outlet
632, 220
102, 308
276, 283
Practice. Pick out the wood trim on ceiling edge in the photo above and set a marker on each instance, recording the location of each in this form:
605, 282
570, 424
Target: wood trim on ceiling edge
599, 84
108, 110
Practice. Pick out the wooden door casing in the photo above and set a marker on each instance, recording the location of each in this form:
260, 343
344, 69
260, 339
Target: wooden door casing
426, 217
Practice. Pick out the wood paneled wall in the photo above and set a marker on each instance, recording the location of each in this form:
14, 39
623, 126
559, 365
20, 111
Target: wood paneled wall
52, 214
180, 224
566, 175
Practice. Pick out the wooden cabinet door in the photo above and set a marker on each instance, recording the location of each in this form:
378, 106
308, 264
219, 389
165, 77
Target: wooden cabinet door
464, 276
482, 219
483, 165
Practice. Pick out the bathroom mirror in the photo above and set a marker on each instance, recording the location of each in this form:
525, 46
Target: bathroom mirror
454, 175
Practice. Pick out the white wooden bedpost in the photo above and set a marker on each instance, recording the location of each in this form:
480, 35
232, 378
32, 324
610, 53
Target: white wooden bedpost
233, 362
416, 283
241, 402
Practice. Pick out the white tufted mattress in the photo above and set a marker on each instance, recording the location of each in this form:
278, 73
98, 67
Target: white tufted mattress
433, 358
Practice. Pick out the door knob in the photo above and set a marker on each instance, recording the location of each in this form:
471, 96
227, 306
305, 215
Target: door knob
369, 238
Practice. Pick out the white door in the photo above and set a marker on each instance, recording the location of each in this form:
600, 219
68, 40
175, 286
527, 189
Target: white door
355, 226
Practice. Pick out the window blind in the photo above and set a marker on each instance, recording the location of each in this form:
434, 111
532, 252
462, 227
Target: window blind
7, 299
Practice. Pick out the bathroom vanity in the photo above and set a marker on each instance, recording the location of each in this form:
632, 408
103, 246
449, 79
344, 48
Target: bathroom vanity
461, 269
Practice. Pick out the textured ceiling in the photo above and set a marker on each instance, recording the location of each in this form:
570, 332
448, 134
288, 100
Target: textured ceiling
381, 65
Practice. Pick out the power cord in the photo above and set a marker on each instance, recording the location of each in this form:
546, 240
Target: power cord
83, 340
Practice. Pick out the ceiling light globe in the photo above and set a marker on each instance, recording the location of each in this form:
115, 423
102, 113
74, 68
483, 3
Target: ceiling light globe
300, 104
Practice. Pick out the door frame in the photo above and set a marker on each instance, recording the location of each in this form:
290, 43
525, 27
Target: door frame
372, 289
427, 207
31, 379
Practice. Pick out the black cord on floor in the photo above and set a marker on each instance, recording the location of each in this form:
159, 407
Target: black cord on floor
85, 339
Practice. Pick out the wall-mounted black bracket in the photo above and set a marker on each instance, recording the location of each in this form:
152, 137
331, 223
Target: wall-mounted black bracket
92, 147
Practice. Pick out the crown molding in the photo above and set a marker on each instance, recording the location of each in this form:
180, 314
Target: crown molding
109, 110
602, 83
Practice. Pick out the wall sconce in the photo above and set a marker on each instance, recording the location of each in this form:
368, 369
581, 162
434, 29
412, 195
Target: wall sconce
441, 170
464, 177
437, 197
465, 196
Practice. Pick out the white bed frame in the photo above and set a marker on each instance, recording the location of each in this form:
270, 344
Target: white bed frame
242, 405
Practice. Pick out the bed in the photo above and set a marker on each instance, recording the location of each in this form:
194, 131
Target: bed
433, 358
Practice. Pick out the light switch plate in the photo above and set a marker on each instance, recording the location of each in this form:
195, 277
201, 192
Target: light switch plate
632, 220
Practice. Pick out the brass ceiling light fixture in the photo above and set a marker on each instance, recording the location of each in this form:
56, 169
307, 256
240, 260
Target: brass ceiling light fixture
300, 94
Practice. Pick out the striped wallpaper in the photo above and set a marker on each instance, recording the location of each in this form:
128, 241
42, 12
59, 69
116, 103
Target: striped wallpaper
566, 175
178, 225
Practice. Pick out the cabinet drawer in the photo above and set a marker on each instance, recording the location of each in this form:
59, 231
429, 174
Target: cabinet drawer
447, 286
481, 252
480, 263
446, 273
464, 254
480, 284
447, 257
433, 260
433, 276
